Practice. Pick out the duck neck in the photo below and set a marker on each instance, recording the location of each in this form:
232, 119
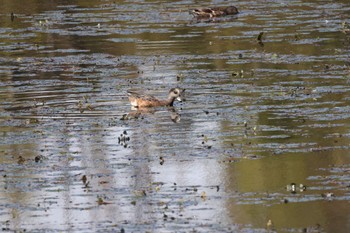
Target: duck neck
169, 101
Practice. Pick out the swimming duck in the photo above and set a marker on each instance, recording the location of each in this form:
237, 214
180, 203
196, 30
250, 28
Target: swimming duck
214, 12
140, 100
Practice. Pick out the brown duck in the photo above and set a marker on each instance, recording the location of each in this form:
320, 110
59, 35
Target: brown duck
214, 12
140, 100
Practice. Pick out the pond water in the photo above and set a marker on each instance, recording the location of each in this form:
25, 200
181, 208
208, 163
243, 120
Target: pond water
261, 144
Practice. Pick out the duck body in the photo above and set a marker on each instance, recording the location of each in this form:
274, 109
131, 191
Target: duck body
214, 12
140, 100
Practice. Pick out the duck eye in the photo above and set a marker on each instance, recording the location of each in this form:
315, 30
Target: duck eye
176, 92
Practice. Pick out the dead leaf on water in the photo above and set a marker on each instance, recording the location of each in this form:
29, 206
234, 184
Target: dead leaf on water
100, 201
203, 196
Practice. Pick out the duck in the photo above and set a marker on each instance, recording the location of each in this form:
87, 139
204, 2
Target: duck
140, 100
214, 11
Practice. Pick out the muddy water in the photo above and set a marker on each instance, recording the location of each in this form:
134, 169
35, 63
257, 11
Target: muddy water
258, 117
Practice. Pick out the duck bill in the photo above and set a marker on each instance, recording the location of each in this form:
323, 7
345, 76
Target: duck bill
181, 97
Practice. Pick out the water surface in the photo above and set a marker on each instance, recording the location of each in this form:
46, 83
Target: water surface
258, 117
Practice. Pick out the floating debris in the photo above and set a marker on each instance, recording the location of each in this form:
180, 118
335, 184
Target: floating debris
84, 179
100, 201
205, 139
297, 37
238, 73
140, 193
83, 105
260, 38
230, 160
21, 160
345, 27
38, 158
12, 16
302, 188
161, 160
203, 196
123, 139
44, 23
125, 117
269, 224
32, 121
293, 188
317, 228
179, 77
328, 195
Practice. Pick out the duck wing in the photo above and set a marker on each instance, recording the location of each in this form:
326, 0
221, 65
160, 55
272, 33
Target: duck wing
140, 95
202, 12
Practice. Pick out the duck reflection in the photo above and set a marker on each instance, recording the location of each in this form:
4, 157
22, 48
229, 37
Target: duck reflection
140, 113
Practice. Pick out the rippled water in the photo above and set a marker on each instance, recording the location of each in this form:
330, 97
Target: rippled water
258, 117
